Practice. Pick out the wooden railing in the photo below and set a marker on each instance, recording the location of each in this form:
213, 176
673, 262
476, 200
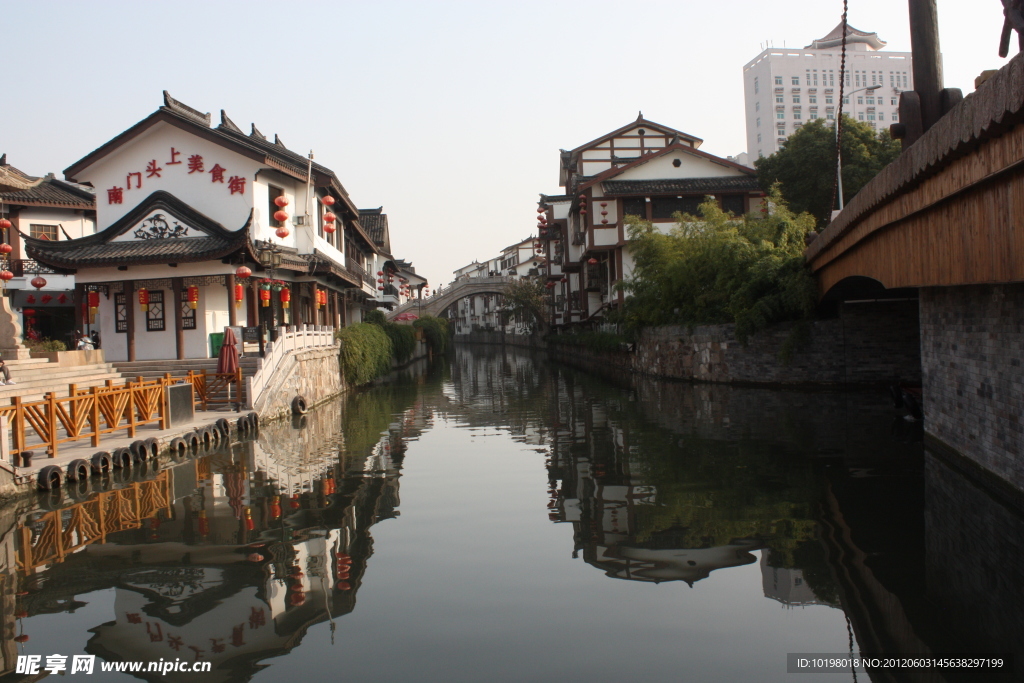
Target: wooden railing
288, 339
92, 413
55, 535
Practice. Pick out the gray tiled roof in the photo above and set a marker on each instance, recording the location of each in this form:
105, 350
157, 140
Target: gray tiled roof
375, 223
52, 191
681, 185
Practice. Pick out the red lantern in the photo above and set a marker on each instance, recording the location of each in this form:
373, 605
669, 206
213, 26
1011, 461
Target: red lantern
281, 201
275, 507
328, 200
265, 297
239, 294
94, 302
38, 282
550, 285
144, 299
6, 275
6, 248
565, 279
28, 311
323, 297
282, 232
249, 524
329, 228
193, 297
286, 297
242, 272
329, 217
541, 209
4, 224
380, 272
592, 261
280, 216
380, 289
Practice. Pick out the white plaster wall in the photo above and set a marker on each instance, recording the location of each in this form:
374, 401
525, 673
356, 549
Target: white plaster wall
605, 237
212, 199
74, 222
691, 166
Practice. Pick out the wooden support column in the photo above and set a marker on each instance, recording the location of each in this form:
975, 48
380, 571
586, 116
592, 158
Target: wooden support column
177, 285
232, 308
924, 42
130, 302
297, 317
334, 309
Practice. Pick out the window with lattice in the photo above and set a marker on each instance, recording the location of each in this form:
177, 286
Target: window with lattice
120, 313
155, 315
188, 314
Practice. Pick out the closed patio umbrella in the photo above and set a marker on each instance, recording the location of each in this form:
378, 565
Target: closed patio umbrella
227, 359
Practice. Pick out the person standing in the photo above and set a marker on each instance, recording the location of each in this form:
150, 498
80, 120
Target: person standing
6, 372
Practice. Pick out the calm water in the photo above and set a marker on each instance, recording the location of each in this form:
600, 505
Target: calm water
499, 518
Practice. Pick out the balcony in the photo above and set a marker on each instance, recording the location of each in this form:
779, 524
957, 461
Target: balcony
23, 267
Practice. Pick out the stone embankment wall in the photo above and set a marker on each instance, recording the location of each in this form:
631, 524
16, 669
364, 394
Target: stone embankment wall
868, 343
972, 353
314, 374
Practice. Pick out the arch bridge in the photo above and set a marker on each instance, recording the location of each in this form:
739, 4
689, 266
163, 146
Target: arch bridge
437, 303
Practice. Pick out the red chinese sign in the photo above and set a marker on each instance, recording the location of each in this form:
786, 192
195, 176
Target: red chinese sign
195, 164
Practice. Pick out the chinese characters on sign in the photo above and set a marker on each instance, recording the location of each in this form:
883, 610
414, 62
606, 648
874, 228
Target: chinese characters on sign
235, 184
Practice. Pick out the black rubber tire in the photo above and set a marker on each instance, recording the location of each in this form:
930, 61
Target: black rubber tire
224, 426
299, 406
139, 456
52, 499
178, 447
244, 427
121, 458
78, 491
49, 478
153, 446
138, 449
101, 463
254, 420
193, 441
78, 470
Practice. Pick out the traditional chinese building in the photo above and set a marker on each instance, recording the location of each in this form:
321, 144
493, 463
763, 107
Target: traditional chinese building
186, 210
643, 169
44, 208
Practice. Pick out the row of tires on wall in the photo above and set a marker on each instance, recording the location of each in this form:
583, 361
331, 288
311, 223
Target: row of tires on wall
139, 452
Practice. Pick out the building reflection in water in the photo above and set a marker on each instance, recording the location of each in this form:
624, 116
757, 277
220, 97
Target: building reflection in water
231, 558
228, 558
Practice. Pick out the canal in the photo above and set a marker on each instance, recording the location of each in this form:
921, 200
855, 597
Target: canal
498, 517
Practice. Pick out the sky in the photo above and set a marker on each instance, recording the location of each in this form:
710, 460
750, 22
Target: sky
449, 114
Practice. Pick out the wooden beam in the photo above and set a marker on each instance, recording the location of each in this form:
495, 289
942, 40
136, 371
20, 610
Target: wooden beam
232, 308
129, 314
924, 43
177, 285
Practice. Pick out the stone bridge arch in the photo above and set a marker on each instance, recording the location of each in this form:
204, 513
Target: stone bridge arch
441, 300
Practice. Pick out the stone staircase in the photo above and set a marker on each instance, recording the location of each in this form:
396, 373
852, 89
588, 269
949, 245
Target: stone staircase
155, 369
36, 377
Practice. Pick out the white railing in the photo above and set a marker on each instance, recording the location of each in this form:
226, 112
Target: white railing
288, 339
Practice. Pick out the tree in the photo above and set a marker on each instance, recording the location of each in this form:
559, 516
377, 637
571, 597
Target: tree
805, 167
717, 268
525, 299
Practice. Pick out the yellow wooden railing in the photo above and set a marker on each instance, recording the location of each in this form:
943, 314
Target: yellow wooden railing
99, 411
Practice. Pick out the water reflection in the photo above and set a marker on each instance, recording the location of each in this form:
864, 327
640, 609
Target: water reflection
235, 557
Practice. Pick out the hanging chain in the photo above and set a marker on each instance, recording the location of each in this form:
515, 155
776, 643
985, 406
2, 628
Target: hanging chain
839, 115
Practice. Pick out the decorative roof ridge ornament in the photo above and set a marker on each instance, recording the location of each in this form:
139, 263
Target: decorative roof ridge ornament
185, 110
228, 124
256, 133
277, 141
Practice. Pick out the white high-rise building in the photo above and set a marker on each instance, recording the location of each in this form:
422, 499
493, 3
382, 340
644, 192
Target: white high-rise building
785, 88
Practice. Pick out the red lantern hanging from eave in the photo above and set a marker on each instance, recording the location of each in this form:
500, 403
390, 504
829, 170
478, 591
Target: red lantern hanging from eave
283, 232
286, 297
38, 282
280, 216
144, 299
329, 217
264, 297
329, 228
323, 297
6, 275
239, 294
328, 200
6, 248
550, 285
94, 302
4, 224
242, 272
193, 297
592, 261
281, 201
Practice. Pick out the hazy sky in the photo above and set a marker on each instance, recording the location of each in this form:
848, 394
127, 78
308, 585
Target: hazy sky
449, 114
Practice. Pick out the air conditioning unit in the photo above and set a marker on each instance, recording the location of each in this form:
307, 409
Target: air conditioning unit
299, 220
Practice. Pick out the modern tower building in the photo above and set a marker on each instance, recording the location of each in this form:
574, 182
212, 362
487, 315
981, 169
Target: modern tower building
785, 88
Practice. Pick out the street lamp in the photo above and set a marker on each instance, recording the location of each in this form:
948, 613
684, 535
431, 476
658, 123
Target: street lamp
839, 160
270, 257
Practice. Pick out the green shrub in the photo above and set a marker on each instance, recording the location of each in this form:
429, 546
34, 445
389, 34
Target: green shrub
403, 337
365, 353
45, 345
436, 332
375, 317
